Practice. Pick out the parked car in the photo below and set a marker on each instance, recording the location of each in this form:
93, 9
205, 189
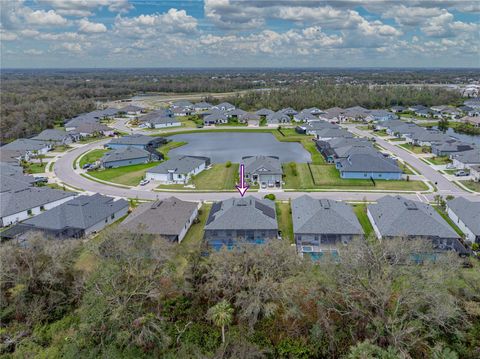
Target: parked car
41, 179
144, 182
86, 166
461, 173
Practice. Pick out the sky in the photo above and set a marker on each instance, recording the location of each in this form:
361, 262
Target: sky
239, 33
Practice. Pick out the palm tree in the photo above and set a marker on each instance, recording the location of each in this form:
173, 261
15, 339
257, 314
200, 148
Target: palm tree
221, 314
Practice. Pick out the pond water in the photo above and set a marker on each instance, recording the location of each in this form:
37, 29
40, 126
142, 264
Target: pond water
462, 136
232, 146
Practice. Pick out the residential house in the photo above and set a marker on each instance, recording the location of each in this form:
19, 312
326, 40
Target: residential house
334, 115
236, 113
277, 118
264, 170
356, 113
417, 108
251, 119
323, 226
397, 109
329, 133
264, 112
465, 159
126, 156
314, 111
12, 156
466, 215
381, 116
160, 119
76, 218
424, 112
202, 106
56, 137
177, 170
27, 147
169, 218
473, 103
290, 112
470, 111
304, 116
215, 118
246, 219
475, 173
449, 147
88, 129
472, 120
368, 166
136, 140
131, 110
312, 127
20, 201
182, 111
224, 106
183, 104
342, 147
423, 137
394, 217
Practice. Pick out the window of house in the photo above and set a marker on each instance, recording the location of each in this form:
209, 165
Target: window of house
113, 216
42, 208
29, 212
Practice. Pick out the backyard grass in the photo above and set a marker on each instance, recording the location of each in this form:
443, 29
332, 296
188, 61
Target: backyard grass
33, 168
127, 175
169, 146
443, 160
284, 218
217, 177
442, 213
471, 185
328, 177
361, 213
381, 133
92, 156
415, 149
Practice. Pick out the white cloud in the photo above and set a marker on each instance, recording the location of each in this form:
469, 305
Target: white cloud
42, 17
34, 52
411, 16
84, 8
8, 36
91, 27
72, 47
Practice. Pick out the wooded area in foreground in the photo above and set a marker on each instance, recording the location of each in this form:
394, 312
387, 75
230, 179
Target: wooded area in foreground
125, 296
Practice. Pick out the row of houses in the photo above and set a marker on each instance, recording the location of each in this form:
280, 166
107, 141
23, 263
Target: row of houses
320, 226
463, 155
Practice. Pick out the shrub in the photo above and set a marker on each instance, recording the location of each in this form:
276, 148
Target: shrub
228, 164
270, 196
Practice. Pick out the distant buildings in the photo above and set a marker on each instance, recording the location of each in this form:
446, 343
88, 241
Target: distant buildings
246, 219
322, 225
126, 156
177, 170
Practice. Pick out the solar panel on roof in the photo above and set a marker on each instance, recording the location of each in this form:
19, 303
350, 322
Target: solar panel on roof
410, 205
215, 208
325, 203
266, 210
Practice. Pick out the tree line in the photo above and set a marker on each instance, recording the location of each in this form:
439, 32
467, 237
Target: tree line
129, 296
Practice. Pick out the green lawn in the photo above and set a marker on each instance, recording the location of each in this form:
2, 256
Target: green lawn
33, 168
474, 186
440, 160
127, 175
310, 146
61, 148
442, 213
92, 156
415, 149
218, 177
396, 139
91, 139
328, 177
361, 212
170, 146
284, 217
381, 133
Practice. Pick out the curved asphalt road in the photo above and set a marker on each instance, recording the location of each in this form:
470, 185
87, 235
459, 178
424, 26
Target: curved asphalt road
64, 171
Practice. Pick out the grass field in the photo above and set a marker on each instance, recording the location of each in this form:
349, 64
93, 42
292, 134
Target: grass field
170, 146
361, 213
442, 213
92, 156
440, 160
474, 186
415, 149
328, 177
284, 218
33, 168
127, 175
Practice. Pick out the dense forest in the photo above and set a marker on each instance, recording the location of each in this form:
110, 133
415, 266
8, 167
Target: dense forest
32, 100
126, 296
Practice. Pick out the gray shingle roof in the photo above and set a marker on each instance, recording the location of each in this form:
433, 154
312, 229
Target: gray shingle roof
132, 140
246, 213
131, 108
91, 127
20, 200
81, 212
264, 112
318, 125
25, 144
470, 157
163, 217
15, 181
468, 212
225, 106
397, 216
51, 135
126, 153
333, 132
288, 111
262, 165
323, 216
215, 116
179, 165
368, 162
278, 116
